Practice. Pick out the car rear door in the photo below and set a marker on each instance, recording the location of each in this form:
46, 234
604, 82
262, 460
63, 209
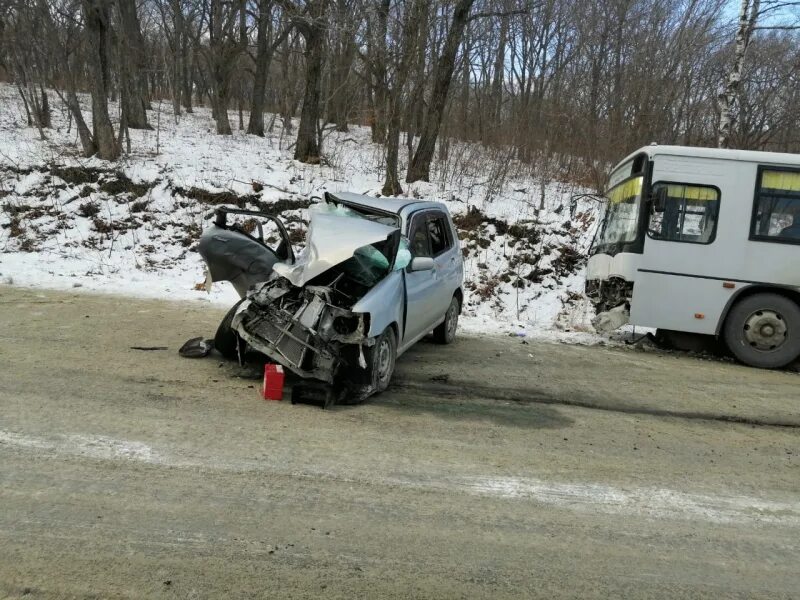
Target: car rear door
444, 250
428, 293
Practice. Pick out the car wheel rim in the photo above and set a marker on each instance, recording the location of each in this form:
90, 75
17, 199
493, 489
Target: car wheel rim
452, 320
765, 330
384, 361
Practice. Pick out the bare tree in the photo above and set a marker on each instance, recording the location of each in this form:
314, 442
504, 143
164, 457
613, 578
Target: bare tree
226, 42
420, 165
266, 44
132, 66
310, 20
97, 18
402, 56
374, 60
748, 15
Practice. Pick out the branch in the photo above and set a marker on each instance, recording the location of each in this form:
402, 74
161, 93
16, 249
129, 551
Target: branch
507, 13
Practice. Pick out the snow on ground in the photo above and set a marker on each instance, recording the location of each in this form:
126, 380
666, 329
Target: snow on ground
131, 227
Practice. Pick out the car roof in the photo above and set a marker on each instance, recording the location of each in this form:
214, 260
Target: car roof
395, 206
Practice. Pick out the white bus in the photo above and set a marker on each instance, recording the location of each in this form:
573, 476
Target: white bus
704, 241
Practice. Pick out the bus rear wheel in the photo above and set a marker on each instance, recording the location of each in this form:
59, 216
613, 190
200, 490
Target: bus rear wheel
763, 330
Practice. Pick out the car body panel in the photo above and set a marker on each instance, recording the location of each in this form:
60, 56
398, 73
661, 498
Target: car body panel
232, 254
381, 305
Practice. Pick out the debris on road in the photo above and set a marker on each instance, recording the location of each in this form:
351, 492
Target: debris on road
196, 348
273, 382
316, 393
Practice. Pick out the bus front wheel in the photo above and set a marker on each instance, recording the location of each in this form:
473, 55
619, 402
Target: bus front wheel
763, 330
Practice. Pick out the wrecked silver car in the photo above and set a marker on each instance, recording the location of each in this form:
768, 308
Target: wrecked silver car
376, 275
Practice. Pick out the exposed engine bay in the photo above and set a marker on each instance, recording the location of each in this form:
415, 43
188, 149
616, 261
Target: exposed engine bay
303, 317
611, 298
609, 293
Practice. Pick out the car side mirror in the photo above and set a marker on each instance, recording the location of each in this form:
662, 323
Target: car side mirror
421, 263
659, 199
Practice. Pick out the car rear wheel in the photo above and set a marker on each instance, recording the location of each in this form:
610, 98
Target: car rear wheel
763, 331
226, 340
445, 333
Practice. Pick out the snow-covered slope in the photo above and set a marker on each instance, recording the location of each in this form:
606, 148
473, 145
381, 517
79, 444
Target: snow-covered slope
131, 227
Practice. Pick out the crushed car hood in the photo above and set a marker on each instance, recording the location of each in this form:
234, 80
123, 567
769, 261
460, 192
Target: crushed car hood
334, 234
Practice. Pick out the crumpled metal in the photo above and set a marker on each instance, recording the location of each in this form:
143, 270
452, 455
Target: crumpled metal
334, 235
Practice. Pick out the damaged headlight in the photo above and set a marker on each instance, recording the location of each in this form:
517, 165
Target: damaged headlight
345, 325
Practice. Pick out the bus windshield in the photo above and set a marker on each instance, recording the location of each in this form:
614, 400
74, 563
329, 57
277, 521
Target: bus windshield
621, 222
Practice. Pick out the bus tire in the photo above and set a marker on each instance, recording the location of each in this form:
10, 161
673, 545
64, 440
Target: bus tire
763, 330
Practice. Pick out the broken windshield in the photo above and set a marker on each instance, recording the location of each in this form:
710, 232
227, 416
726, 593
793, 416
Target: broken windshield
621, 222
335, 235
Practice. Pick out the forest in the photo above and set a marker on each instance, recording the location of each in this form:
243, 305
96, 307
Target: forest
565, 87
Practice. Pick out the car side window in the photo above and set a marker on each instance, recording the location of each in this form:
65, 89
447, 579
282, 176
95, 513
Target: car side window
437, 231
419, 237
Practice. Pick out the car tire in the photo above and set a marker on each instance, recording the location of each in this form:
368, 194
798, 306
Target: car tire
381, 359
445, 333
763, 330
226, 340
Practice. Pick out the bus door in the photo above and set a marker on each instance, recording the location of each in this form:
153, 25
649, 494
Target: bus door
672, 289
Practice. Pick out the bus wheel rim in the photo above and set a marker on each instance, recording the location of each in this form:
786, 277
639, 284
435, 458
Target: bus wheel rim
765, 330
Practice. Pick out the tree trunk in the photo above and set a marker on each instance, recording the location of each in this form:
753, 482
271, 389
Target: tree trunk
307, 147
498, 74
391, 186
220, 64
377, 51
133, 65
219, 99
187, 74
342, 62
465, 83
29, 117
96, 16
416, 104
411, 30
177, 56
45, 116
36, 108
748, 14
420, 166
263, 58
287, 103
87, 141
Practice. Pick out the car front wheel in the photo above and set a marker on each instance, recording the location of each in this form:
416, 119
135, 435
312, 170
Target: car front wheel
383, 356
226, 339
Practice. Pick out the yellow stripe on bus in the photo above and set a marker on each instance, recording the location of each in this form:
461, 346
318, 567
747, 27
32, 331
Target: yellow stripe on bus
781, 180
691, 192
627, 190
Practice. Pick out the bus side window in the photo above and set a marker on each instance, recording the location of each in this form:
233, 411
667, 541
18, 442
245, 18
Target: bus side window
689, 213
777, 209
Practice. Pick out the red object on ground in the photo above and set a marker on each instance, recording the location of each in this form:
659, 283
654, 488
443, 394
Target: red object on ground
273, 382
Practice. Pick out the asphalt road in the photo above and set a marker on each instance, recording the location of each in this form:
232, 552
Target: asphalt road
491, 468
